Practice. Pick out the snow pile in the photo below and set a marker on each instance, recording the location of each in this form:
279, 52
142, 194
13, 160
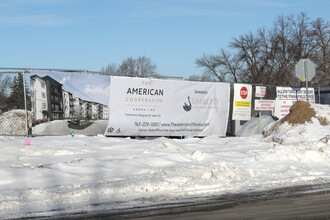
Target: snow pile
255, 126
305, 123
67, 174
14, 122
57, 127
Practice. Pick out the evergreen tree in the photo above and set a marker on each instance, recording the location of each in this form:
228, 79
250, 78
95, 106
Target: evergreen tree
16, 98
5, 83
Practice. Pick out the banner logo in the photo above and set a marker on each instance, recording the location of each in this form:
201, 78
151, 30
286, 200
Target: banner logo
187, 107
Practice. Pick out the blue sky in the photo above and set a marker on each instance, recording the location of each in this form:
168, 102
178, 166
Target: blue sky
86, 34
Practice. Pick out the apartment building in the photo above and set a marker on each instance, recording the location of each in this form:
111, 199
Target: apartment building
54, 98
68, 105
39, 102
106, 112
84, 108
49, 100
95, 110
103, 112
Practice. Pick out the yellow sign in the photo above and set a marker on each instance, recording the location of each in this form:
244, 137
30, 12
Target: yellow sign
242, 104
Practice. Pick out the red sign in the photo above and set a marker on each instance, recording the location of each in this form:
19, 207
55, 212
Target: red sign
260, 91
244, 92
264, 105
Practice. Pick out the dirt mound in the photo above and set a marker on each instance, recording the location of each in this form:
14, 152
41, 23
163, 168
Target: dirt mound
302, 112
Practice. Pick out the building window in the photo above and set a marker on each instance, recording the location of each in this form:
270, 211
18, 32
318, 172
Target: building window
32, 94
44, 105
43, 95
43, 85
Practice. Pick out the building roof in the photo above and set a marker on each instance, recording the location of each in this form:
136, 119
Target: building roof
52, 81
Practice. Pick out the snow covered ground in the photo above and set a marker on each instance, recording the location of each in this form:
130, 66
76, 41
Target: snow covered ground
63, 172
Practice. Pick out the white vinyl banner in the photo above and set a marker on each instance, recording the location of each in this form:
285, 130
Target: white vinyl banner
242, 102
154, 107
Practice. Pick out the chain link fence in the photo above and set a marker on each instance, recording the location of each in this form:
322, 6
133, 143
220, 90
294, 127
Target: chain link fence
235, 125
15, 105
54, 102
29, 99
322, 96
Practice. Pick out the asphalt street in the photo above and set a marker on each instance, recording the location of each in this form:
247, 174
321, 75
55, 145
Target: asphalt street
302, 207
299, 202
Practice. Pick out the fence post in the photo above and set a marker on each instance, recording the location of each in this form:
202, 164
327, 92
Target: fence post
25, 105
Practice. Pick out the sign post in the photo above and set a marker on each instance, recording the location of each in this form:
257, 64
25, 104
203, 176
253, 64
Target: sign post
305, 71
260, 92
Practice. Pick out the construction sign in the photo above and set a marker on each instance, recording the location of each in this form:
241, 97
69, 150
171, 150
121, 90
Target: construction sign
242, 102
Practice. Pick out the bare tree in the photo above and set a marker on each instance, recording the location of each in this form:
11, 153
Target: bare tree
299, 29
111, 69
201, 78
195, 78
270, 56
210, 65
145, 67
230, 66
284, 56
128, 67
320, 34
220, 68
249, 53
140, 67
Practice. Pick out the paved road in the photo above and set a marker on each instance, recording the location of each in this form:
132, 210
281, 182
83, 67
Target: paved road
60, 127
302, 207
300, 202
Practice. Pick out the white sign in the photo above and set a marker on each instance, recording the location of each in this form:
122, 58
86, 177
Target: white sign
305, 68
298, 94
264, 105
282, 107
154, 107
260, 91
242, 102
287, 96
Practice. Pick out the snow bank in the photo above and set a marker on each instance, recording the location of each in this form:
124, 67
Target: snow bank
57, 127
14, 122
305, 123
72, 174
254, 126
